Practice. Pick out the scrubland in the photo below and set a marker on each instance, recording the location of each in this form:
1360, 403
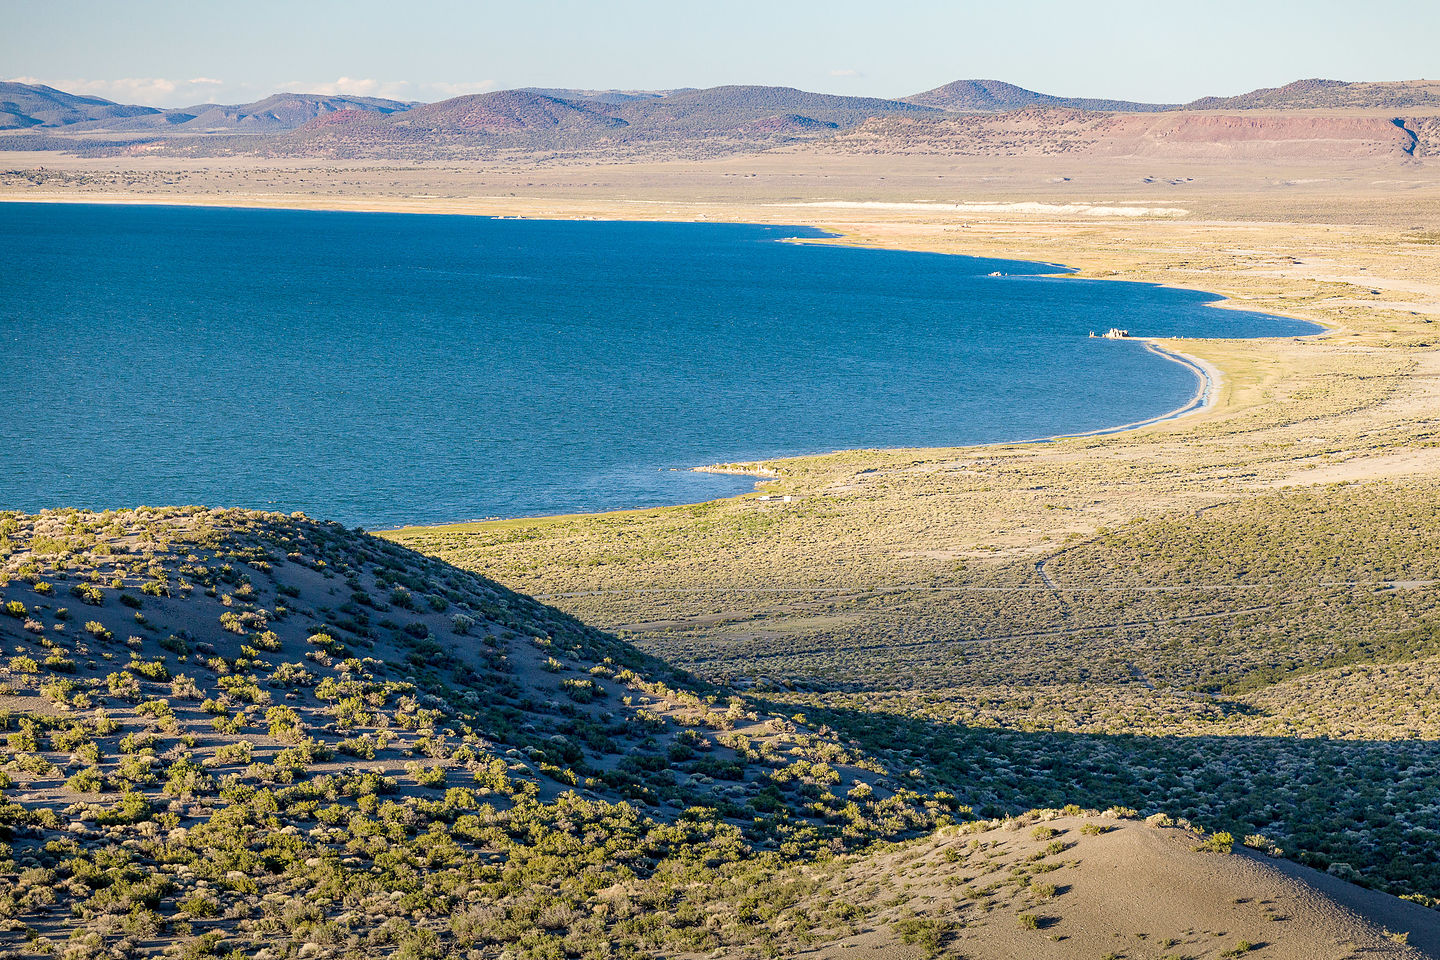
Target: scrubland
833, 725
1231, 617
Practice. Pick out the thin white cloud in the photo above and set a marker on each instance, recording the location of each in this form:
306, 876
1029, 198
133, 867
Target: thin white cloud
440, 90
163, 92
148, 91
344, 86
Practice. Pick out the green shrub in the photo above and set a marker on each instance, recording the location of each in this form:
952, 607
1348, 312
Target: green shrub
1221, 842
267, 640
88, 780
426, 776
175, 645
199, 905
88, 594
150, 669
24, 664
582, 690
131, 808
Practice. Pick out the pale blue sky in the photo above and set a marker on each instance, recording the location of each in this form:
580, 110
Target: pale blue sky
171, 53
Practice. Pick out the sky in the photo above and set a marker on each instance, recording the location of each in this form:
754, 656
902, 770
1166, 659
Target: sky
169, 53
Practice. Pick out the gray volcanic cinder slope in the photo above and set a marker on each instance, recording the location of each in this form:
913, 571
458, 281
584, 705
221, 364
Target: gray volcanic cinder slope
996, 96
25, 105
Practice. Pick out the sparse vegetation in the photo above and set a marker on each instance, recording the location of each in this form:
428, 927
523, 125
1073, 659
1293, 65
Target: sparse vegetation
1256, 657
209, 750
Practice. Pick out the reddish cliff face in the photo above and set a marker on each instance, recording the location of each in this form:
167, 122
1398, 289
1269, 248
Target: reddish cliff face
1293, 137
1173, 135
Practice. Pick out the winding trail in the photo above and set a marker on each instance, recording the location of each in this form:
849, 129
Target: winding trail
1048, 586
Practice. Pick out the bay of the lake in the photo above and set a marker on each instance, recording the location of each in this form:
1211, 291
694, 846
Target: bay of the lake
383, 369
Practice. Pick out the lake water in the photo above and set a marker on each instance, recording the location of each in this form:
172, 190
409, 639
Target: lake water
382, 369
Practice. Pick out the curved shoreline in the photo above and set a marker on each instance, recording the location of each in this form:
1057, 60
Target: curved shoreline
1206, 397
1208, 378
1209, 381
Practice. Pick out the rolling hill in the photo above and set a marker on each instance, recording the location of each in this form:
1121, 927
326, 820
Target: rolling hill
26, 105
1326, 121
274, 114
1318, 94
995, 96
238, 731
600, 96
209, 710
686, 122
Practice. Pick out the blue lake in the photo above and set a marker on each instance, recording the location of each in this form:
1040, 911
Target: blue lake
382, 369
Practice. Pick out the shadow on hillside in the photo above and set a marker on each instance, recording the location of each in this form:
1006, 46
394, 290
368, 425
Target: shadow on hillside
1326, 802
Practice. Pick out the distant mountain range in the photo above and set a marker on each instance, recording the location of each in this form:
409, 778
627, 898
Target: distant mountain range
27, 106
530, 120
613, 123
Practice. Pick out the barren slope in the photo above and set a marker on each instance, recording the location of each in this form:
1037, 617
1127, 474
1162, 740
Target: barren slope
1056, 886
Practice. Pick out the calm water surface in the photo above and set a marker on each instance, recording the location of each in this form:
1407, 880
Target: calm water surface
382, 369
